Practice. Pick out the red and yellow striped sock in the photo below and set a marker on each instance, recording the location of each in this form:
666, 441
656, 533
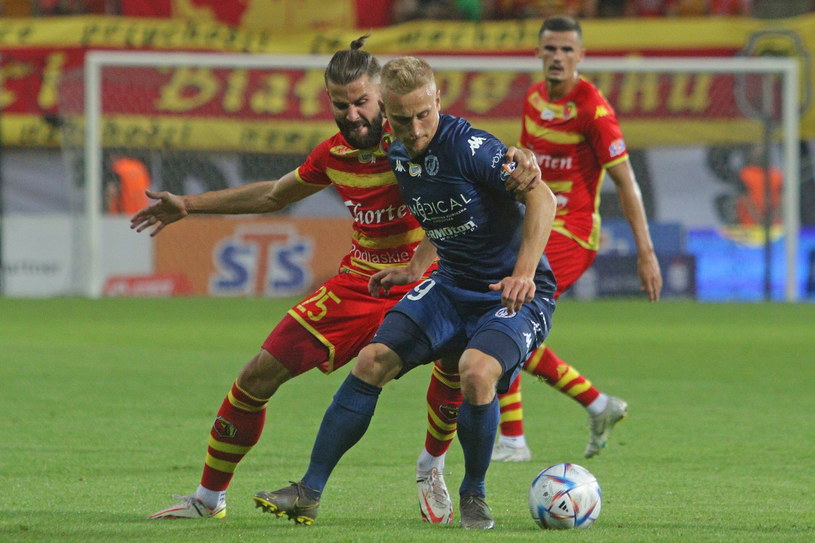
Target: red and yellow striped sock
443, 401
546, 365
512, 410
236, 430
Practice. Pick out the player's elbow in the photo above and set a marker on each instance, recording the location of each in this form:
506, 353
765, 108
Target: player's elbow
272, 200
272, 205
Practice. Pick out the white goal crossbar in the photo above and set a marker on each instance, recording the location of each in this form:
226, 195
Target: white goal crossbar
785, 68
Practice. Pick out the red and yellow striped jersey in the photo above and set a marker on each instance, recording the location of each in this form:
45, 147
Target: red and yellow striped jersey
575, 139
385, 233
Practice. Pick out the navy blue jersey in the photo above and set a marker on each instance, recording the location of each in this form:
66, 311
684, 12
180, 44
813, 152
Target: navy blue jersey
455, 189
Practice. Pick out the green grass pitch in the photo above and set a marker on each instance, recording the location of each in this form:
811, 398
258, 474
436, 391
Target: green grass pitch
107, 406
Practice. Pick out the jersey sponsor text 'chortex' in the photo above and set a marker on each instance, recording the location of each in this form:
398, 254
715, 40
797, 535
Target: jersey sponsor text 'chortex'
374, 216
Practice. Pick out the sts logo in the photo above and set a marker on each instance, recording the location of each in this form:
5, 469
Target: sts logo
262, 260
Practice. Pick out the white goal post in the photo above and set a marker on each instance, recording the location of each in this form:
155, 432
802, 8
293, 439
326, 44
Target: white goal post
785, 69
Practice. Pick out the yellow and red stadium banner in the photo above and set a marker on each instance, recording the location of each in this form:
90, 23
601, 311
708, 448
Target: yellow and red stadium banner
287, 111
274, 15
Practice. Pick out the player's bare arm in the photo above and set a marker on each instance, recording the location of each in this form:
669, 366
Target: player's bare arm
381, 282
540, 213
260, 197
628, 191
526, 174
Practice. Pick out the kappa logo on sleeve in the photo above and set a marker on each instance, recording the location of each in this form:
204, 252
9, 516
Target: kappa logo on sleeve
475, 143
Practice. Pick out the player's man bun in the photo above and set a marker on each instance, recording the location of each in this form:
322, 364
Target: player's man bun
360, 41
350, 64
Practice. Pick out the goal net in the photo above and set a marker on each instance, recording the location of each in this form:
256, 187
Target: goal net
694, 129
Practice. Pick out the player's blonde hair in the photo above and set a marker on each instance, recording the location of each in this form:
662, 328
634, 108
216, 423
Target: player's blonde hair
404, 75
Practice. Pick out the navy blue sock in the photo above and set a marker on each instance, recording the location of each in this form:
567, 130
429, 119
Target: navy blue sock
477, 425
344, 423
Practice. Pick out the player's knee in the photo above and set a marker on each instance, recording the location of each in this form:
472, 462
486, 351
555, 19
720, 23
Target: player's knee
377, 364
263, 375
479, 375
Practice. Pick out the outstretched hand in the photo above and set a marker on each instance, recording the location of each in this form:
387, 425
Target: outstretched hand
525, 175
169, 209
381, 282
514, 292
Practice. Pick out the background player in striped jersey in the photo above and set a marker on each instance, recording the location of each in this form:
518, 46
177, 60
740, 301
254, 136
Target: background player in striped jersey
575, 134
577, 138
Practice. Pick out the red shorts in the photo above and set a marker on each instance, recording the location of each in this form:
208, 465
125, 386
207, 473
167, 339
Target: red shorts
328, 329
568, 260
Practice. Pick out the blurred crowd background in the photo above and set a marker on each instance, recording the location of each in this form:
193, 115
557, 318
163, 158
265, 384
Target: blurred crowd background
386, 12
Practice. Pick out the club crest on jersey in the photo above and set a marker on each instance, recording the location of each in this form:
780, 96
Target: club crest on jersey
431, 164
504, 313
550, 112
415, 170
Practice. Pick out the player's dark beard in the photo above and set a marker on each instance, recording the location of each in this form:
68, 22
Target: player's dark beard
365, 142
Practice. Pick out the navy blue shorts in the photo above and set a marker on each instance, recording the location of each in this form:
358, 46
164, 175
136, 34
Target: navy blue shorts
438, 319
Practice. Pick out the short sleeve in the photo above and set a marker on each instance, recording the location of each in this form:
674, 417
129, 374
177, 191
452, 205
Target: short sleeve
604, 134
313, 170
484, 159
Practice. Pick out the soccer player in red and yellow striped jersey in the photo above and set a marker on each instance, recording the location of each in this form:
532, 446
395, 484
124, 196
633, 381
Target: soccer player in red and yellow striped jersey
329, 327
577, 139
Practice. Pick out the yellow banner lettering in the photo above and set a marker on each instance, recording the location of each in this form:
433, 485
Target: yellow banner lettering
488, 89
689, 93
639, 92
12, 70
451, 85
235, 90
51, 75
309, 90
271, 98
189, 88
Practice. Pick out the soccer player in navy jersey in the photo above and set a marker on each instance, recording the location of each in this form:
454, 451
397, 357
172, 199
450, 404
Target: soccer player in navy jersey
488, 304
576, 137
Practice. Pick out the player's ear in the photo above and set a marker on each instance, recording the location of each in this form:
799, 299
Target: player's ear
382, 107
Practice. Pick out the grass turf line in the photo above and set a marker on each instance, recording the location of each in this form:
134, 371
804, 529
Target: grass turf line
108, 405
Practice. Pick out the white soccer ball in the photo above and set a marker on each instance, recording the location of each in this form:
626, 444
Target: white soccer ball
565, 496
